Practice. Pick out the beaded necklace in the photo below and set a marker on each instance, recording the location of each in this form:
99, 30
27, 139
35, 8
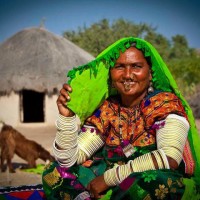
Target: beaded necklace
127, 147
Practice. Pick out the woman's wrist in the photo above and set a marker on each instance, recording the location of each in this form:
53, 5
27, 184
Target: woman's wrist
66, 118
67, 113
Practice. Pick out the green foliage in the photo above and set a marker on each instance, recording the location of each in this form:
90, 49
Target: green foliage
179, 47
182, 60
186, 72
160, 43
101, 34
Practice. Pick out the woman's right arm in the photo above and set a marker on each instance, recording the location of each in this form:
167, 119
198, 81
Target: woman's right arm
72, 145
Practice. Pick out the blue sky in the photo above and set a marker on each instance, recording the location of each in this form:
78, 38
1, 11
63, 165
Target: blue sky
171, 17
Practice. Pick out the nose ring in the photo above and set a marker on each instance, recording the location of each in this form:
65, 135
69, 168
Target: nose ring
131, 76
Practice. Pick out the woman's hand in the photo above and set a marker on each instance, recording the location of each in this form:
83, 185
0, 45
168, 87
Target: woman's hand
97, 186
62, 100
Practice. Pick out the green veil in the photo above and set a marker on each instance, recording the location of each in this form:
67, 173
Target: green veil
90, 84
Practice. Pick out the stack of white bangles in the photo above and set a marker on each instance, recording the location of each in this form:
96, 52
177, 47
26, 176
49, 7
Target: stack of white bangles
66, 140
74, 147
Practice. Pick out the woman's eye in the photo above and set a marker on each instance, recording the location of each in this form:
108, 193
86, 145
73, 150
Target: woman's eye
137, 66
118, 66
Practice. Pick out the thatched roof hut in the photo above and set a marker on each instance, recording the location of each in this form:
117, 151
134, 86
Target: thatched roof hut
36, 59
33, 66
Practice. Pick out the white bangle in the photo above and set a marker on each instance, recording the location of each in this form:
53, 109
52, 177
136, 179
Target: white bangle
172, 137
65, 154
110, 177
89, 142
164, 158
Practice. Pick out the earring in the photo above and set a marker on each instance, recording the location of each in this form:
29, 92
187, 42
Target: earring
150, 89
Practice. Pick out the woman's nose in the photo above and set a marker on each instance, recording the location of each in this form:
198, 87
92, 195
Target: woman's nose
128, 72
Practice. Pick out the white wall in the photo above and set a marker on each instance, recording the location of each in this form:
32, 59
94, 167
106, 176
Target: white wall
51, 111
9, 109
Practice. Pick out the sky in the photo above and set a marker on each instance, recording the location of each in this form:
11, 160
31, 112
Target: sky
170, 17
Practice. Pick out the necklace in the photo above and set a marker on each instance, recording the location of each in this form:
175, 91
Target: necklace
127, 147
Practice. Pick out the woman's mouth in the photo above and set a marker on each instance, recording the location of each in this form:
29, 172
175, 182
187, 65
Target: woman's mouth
127, 85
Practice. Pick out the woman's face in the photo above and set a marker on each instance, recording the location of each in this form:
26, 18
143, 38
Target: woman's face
131, 73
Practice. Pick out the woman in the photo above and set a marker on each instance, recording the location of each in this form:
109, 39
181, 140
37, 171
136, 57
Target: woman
137, 138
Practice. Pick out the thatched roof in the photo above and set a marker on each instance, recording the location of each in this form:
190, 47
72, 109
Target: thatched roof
37, 59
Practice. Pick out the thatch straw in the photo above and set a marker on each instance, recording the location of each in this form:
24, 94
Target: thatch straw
38, 60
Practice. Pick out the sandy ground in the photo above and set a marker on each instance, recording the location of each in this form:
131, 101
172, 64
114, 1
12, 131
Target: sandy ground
44, 135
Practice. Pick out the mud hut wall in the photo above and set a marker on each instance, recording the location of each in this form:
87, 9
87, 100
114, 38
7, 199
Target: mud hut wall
10, 109
51, 111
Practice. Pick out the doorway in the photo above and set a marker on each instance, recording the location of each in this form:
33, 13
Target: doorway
32, 106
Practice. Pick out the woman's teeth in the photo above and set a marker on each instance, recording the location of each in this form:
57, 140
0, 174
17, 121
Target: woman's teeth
127, 85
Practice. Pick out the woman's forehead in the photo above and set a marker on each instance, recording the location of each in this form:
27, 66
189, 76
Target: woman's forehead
131, 54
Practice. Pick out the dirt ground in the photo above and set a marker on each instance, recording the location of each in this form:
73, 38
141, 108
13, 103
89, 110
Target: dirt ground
44, 135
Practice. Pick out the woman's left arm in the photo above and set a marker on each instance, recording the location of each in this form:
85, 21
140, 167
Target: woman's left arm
171, 140
172, 137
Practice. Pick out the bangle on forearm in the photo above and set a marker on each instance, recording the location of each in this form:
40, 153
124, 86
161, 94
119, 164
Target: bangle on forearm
150, 161
172, 137
164, 159
64, 119
65, 142
173, 153
142, 163
66, 123
64, 153
67, 128
69, 164
123, 172
66, 158
67, 132
158, 159
117, 175
63, 160
90, 142
82, 157
111, 178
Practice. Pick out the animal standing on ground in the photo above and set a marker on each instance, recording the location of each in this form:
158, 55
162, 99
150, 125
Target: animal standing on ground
13, 142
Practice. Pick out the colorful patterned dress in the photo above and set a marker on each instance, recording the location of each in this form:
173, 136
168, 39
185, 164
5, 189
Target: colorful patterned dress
139, 129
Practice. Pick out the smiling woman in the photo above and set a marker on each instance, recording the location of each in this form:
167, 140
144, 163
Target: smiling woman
131, 76
137, 137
